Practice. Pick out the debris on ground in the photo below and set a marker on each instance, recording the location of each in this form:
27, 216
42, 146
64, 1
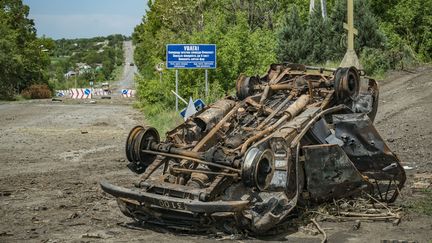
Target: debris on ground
4, 193
422, 181
356, 225
324, 240
93, 236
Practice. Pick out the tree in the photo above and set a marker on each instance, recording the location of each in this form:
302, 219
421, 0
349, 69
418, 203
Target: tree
22, 59
407, 23
318, 39
251, 34
290, 45
321, 40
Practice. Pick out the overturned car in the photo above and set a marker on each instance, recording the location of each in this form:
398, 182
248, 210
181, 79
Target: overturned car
297, 134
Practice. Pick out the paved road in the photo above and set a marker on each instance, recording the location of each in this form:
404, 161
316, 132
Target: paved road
127, 79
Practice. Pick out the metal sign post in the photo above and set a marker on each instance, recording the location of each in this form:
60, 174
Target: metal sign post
176, 89
206, 83
191, 56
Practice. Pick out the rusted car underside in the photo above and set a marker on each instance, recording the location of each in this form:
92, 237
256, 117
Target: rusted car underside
296, 134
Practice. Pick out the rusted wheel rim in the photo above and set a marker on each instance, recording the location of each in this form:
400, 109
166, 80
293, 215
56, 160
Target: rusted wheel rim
129, 142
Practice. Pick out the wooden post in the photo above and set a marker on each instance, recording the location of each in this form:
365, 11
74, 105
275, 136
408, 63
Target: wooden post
350, 26
350, 58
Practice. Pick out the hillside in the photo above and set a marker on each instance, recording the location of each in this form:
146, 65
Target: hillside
84, 60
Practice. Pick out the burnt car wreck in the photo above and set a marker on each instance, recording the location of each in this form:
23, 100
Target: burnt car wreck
296, 134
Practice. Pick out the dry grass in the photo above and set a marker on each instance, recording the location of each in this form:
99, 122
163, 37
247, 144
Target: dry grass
37, 91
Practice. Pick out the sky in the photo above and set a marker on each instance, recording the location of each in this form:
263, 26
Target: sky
85, 18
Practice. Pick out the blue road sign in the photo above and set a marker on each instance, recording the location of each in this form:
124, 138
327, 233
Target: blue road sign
199, 105
124, 91
87, 92
191, 56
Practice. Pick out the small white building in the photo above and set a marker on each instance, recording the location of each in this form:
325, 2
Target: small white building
70, 74
83, 67
102, 43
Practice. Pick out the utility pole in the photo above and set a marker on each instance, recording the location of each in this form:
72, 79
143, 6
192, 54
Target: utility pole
350, 58
323, 8
311, 6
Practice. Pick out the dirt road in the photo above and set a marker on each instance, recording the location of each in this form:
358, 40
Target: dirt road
52, 156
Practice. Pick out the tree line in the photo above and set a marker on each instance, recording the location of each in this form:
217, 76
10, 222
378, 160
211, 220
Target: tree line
251, 34
29, 63
23, 61
101, 54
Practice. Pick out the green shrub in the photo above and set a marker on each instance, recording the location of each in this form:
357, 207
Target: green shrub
155, 92
375, 61
216, 92
403, 57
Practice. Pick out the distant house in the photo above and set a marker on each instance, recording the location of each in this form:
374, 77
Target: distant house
102, 43
83, 67
98, 66
70, 74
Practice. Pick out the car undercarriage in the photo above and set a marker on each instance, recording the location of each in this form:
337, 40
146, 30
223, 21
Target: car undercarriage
296, 134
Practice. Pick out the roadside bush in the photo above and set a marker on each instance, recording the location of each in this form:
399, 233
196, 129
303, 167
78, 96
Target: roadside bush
378, 61
163, 119
37, 91
154, 92
403, 57
216, 92
375, 61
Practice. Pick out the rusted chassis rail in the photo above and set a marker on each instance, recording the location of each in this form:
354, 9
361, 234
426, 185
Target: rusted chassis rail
320, 161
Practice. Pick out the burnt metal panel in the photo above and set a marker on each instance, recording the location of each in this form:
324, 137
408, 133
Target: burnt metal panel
330, 173
363, 145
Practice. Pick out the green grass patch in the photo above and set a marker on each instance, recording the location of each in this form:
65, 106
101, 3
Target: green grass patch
421, 205
19, 98
162, 119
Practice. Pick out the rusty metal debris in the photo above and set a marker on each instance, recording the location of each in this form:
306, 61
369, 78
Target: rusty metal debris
296, 134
